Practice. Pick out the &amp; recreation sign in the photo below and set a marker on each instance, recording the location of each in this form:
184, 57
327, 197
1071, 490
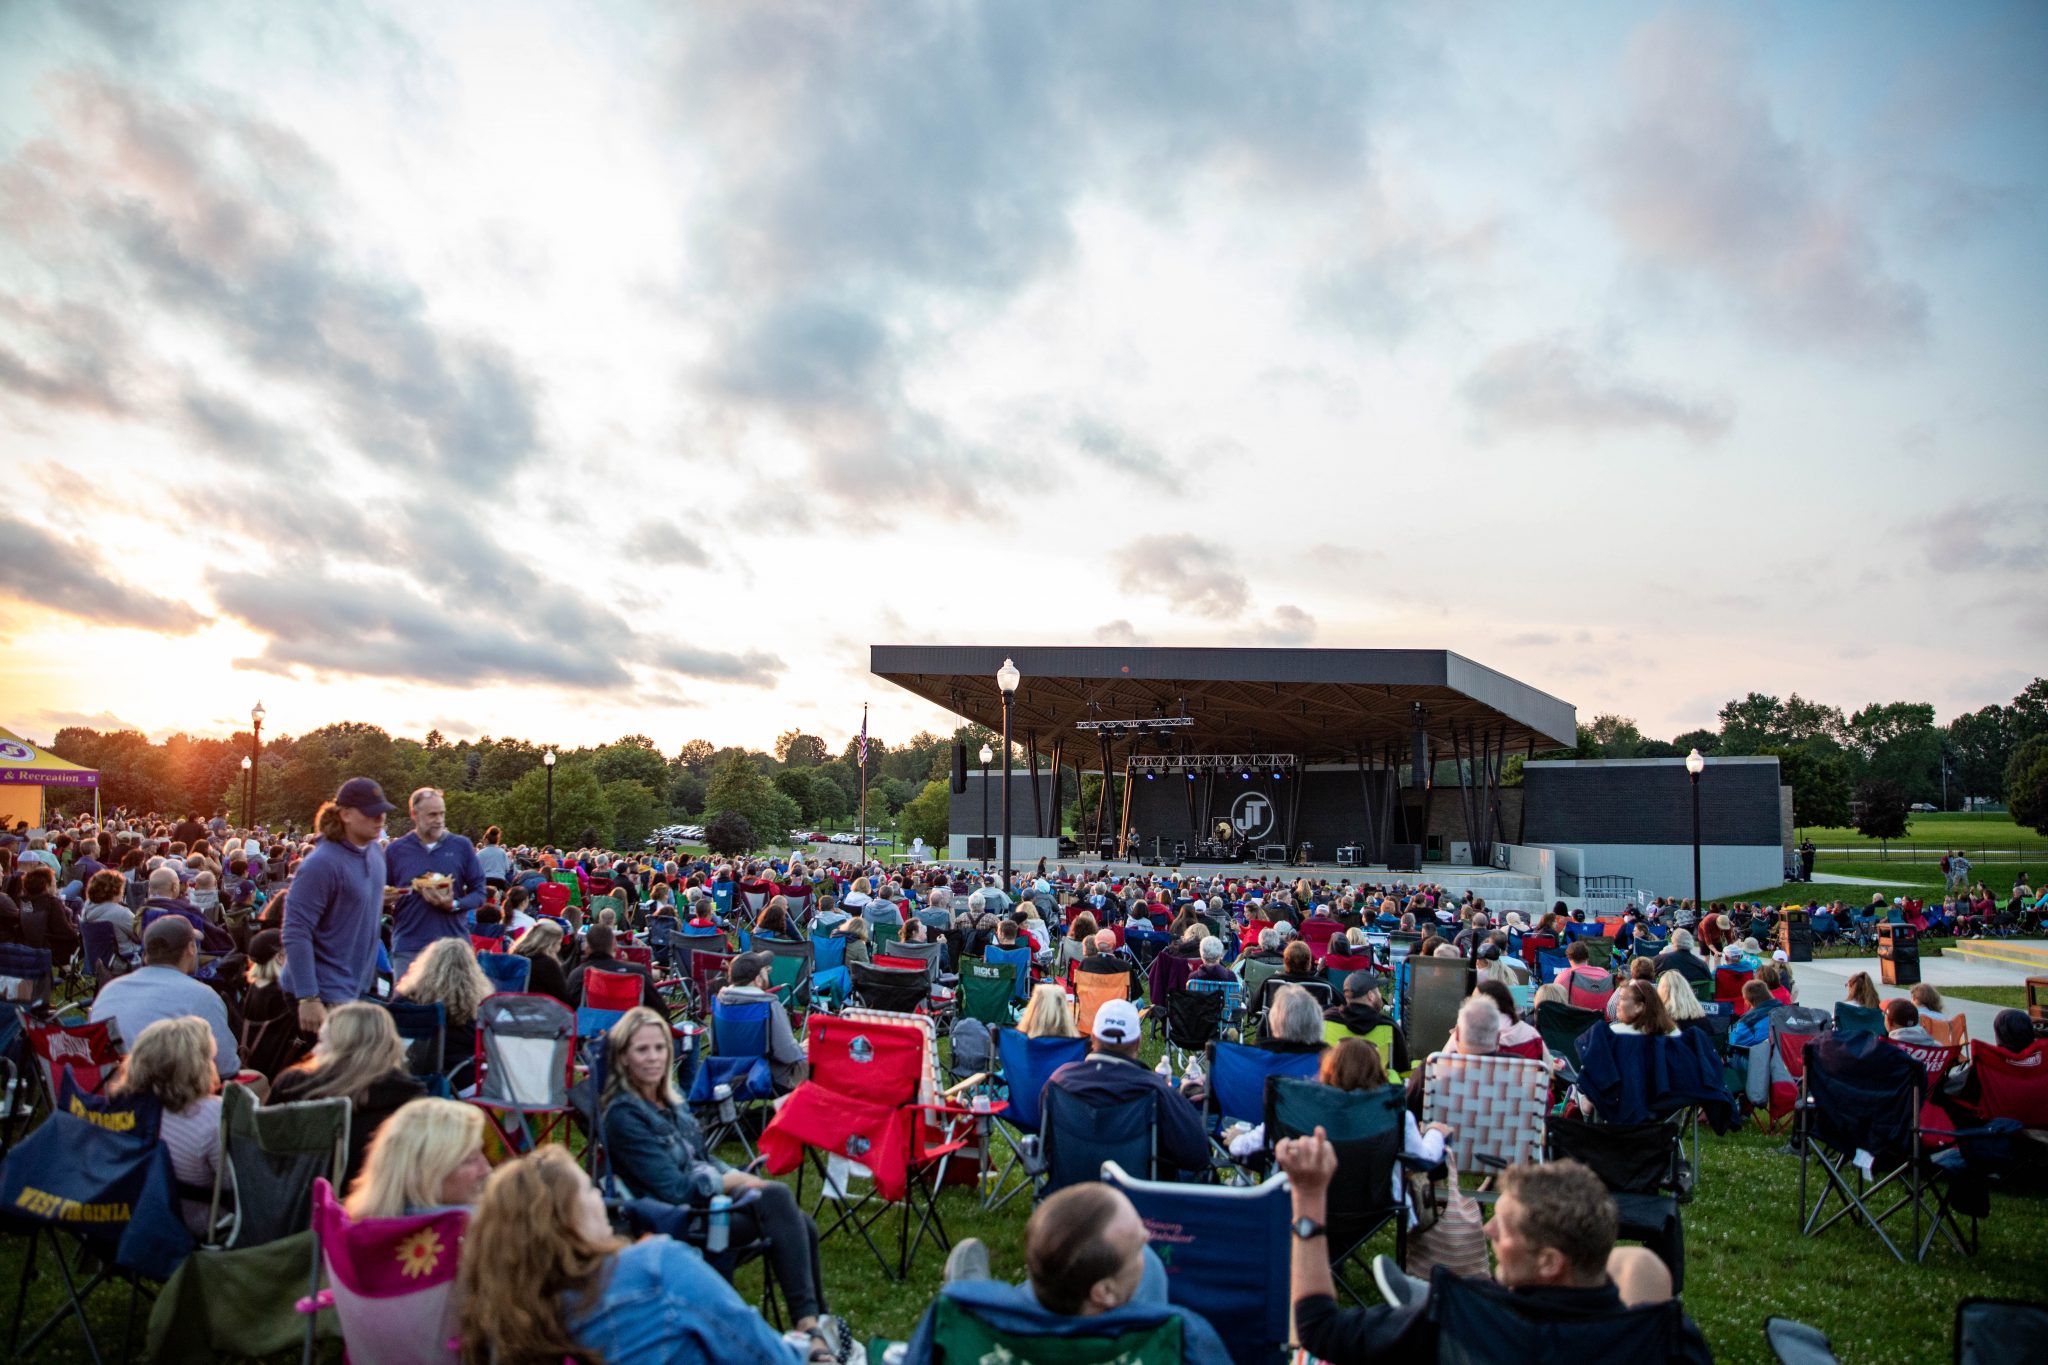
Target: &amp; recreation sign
14, 753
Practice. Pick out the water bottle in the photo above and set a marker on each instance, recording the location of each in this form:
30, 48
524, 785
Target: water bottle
722, 1093
720, 1231
898, 1352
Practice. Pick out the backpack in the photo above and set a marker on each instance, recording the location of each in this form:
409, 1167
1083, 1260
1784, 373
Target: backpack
973, 1048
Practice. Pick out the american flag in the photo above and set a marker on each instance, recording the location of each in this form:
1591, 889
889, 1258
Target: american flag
863, 736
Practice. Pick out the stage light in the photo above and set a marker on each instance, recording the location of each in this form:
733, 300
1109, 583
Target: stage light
1276, 774
1246, 776
1191, 777
1150, 777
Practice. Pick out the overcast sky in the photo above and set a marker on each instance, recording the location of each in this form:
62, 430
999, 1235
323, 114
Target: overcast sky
569, 370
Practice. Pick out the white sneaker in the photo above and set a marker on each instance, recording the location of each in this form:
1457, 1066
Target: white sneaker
968, 1260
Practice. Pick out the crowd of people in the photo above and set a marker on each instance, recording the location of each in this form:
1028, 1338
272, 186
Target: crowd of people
239, 955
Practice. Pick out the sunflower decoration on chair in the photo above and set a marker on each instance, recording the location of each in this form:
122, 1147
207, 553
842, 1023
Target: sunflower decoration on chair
420, 1253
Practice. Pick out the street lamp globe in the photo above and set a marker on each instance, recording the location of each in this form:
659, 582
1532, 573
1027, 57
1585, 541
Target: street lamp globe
1694, 763
548, 758
247, 763
986, 754
1007, 677
257, 713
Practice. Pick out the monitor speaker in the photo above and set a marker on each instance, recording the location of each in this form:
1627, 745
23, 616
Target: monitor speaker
1404, 857
959, 770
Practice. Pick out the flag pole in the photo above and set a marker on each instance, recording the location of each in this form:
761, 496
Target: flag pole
863, 784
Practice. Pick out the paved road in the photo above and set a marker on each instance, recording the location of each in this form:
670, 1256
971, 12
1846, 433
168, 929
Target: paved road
1821, 983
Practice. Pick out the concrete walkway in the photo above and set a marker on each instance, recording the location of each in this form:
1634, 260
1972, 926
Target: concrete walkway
1821, 983
1837, 879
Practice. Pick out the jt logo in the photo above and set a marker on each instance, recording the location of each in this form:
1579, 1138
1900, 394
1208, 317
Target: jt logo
1252, 814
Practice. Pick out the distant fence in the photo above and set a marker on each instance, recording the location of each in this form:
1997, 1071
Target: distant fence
1902, 851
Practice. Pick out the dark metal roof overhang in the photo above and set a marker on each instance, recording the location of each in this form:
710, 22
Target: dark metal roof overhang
1323, 705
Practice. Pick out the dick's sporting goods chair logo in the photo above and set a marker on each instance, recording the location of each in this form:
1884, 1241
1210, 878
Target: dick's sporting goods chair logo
1252, 815
857, 1146
860, 1049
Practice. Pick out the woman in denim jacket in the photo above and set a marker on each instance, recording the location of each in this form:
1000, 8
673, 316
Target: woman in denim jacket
544, 1278
657, 1151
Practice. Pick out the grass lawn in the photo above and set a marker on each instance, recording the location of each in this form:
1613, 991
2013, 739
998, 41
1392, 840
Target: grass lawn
1930, 833
1744, 1262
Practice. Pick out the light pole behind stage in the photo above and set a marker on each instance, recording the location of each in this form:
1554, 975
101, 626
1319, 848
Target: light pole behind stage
1007, 678
248, 772
1694, 765
255, 757
986, 754
548, 759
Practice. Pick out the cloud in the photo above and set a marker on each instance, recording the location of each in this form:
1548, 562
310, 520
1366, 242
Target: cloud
1966, 537
873, 171
222, 221
1699, 180
1189, 572
1120, 452
53, 721
1551, 383
81, 361
1289, 625
1118, 632
659, 543
753, 668
42, 570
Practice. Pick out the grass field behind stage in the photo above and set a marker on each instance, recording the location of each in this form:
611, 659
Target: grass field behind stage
1983, 836
1744, 1262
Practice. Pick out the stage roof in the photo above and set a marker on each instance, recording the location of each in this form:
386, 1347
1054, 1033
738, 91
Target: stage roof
1323, 705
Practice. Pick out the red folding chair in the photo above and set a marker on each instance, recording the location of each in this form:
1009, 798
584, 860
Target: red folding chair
1317, 933
606, 998
861, 1102
2012, 1085
1532, 944
88, 1053
636, 952
1728, 984
552, 897
705, 967
1939, 1061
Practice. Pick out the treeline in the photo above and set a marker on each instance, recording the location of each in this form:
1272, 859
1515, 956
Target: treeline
1884, 755
613, 794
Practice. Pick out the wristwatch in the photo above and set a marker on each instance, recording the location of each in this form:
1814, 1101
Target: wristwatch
1307, 1229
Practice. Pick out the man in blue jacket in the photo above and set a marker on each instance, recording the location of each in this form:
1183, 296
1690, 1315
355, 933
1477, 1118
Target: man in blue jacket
1112, 1073
334, 904
422, 917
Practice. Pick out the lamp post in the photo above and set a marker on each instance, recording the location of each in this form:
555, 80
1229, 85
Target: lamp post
548, 760
255, 757
248, 775
1694, 765
986, 754
1007, 678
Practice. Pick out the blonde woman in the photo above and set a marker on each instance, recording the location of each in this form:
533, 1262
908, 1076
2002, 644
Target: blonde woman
542, 946
544, 1279
1679, 997
446, 974
171, 1062
361, 1058
658, 1152
427, 1156
1048, 1014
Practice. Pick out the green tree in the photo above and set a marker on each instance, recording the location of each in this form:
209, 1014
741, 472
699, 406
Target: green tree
737, 784
1819, 780
1617, 736
696, 756
471, 813
1882, 812
796, 784
925, 815
685, 791
504, 762
730, 834
2026, 785
635, 812
632, 758
1749, 724
580, 804
828, 798
1708, 742
795, 749
1983, 745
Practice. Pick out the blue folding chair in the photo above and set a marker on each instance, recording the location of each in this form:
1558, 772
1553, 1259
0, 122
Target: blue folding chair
1027, 1063
507, 971
1549, 962
424, 1029
101, 947
1232, 992
1237, 1079
1229, 1262
1079, 1136
828, 966
739, 1059
1020, 956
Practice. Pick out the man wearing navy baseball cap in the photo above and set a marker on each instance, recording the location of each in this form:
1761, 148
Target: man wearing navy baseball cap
1112, 1073
334, 904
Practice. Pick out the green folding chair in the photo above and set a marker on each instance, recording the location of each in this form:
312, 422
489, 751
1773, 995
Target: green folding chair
988, 990
568, 879
885, 934
1599, 952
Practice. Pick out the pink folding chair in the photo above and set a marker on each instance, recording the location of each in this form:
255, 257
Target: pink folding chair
391, 1281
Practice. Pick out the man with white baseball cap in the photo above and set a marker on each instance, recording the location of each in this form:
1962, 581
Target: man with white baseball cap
1111, 1073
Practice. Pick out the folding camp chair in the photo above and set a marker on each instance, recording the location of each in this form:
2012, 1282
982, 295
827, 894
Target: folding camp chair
898, 990
1599, 952
1430, 991
553, 898
25, 975
1255, 977
739, 1063
1728, 983
1079, 1135
391, 1281
1170, 973
1494, 1105
2012, 1085
862, 1103
980, 1320
1859, 1112
988, 991
790, 970
707, 968
93, 1172
1858, 1019
1999, 1331
1018, 957
1381, 1038
424, 1029
525, 1062
567, 879
1642, 1165
1776, 1067
1194, 1020
1145, 944
1481, 1322
270, 1156
86, 1053
1237, 1086
1551, 963
1231, 991
1366, 1127
1951, 1032
507, 971
100, 948
1230, 1250
1562, 1026
1027, 1063
606, 998
1093, 990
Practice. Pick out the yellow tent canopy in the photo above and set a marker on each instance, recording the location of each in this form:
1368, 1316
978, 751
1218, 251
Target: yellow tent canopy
25, 770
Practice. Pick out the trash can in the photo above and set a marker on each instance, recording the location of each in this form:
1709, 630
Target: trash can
1795, 936
1898, 954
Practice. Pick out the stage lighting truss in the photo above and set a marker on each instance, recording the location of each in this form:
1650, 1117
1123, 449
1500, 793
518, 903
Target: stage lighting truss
1121, 728
1279, 765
